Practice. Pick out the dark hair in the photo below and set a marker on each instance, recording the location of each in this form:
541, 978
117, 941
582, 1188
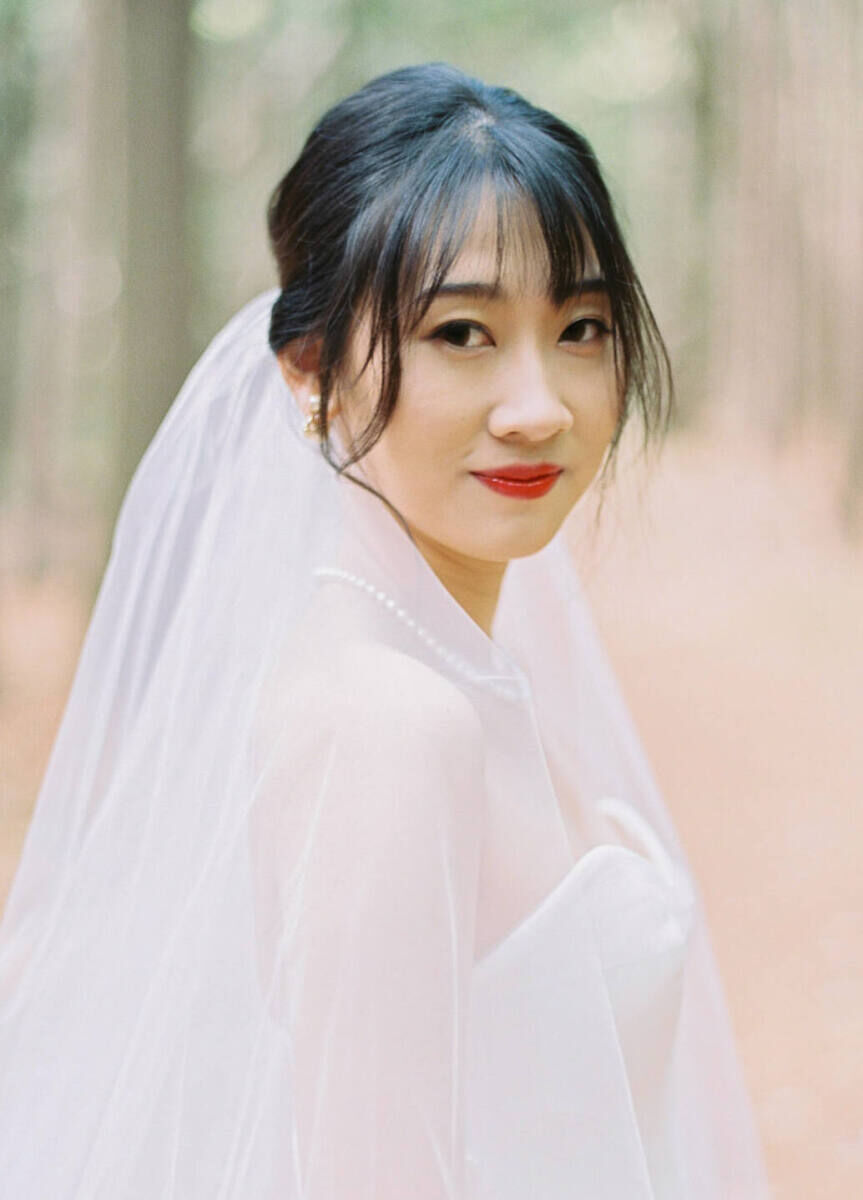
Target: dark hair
374, 212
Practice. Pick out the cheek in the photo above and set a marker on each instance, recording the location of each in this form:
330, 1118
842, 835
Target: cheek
598, 417
430, 428
610, 420
611, 409
402, 456
411, 454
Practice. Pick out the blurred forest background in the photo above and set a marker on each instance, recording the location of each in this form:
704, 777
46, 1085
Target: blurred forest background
139, 142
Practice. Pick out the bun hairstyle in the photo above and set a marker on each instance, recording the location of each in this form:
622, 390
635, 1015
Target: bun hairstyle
373, 213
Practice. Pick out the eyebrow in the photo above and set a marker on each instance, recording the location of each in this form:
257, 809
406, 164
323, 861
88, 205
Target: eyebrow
477, 290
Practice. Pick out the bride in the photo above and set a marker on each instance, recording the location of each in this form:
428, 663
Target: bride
348, 878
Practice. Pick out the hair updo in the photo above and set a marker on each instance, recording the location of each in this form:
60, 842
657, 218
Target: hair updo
373, 213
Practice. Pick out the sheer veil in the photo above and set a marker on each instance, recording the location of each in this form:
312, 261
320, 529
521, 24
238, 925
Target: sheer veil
240, 955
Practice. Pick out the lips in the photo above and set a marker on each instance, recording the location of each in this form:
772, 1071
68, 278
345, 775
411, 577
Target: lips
526, 481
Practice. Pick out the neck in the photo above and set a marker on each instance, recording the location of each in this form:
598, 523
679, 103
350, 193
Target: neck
473, 584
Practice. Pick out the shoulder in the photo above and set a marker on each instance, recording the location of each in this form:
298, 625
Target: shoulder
384, 745
377, 688
370, 695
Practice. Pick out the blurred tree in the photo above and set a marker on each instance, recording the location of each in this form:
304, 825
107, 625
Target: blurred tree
16, 105
39, 386
155, 299
787, 251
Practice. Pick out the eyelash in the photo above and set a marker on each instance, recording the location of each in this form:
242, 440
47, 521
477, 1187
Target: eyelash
452, 329
456, 328
603, 330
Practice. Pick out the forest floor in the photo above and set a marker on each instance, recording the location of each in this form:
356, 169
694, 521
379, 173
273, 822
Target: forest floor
732, 609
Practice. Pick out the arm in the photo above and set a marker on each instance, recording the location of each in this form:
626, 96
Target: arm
379, 843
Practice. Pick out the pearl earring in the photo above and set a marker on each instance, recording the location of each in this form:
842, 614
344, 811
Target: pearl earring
312, 423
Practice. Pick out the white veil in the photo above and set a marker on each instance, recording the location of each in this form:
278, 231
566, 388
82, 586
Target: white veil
239, 955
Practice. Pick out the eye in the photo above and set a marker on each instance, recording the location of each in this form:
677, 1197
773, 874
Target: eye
586, 331
465, 335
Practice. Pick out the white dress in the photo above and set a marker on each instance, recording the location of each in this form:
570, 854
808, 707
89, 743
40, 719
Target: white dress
525, 1020
549, 922
540, 1099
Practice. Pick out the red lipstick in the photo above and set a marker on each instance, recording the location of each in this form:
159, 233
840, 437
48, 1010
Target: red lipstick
526, 481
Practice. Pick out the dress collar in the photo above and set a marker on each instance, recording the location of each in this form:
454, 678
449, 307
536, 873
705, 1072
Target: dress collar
375, 554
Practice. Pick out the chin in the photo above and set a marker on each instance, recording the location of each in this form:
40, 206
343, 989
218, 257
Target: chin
504, 549
525, 548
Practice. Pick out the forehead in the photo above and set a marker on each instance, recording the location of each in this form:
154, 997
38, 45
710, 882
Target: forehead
504, 245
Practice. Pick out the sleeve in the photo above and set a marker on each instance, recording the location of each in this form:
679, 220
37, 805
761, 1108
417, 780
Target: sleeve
367, 845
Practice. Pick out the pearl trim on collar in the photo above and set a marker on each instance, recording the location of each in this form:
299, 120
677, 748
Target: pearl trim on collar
458, 664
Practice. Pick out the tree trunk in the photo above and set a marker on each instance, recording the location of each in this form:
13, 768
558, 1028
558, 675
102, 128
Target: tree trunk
156, 290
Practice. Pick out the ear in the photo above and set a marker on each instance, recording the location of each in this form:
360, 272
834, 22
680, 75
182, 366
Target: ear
299, 363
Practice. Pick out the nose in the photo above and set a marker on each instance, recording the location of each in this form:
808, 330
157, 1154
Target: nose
530, 408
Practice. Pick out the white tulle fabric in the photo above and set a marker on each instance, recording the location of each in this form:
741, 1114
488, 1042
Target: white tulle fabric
329, 896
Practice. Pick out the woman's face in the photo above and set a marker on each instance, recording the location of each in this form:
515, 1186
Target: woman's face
506, 407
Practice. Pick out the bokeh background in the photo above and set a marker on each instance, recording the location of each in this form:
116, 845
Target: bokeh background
138, 145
